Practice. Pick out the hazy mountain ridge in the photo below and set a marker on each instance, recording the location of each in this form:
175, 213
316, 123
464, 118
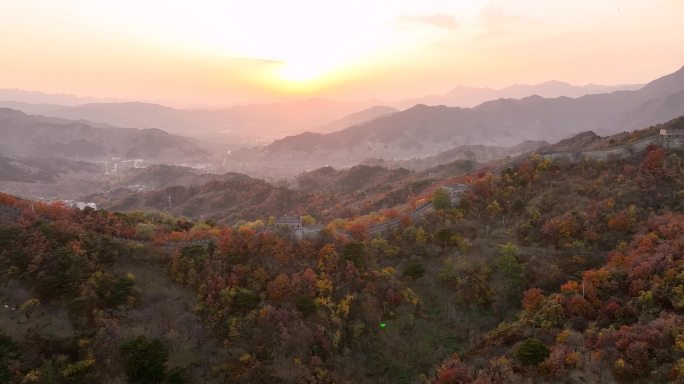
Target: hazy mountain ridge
270, 120
58, 99
36, 136
426, 130
466, 96
31, 170
51, 178
479, 153
242, 121
31, 109
356, 118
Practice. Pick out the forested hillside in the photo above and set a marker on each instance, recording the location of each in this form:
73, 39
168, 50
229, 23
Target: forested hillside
325, 193
545, 271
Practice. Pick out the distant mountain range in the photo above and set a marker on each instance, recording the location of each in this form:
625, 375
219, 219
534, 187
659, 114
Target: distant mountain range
238, 124
356, 118
43, 137
59, 99
342, 134
243, 124
465, 96
423, 130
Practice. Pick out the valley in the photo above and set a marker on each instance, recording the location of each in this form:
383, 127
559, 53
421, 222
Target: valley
380, 137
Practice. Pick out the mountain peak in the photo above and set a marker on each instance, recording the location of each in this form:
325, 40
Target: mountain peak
556, 82
668, 84
6, 112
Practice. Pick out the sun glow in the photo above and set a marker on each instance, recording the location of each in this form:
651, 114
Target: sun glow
221, 51
300, 72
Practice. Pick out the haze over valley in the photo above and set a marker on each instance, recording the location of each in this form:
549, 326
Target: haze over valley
339, 134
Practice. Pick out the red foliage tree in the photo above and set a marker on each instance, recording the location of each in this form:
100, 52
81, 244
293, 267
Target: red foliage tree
533, 299
655, 159
10, 200
278, 287
562, 229
358, 230
619, 222
454, 371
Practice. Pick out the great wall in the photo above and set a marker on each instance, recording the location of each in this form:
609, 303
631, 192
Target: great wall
672, 139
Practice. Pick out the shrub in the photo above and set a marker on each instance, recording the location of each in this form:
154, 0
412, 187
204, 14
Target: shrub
414, 271
532, 352
305, 305
441, 199
246, 300
175, 376
8, 351
145, 360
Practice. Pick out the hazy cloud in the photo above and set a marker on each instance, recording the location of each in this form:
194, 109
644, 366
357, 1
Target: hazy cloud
257, 60
253, 60
495, 22
437, 20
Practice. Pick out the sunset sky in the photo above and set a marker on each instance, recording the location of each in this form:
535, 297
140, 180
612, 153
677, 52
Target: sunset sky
224, 52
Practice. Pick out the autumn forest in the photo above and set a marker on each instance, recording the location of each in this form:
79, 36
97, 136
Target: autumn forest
547, 271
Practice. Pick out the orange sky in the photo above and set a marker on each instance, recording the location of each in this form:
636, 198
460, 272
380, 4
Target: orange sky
223, 52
